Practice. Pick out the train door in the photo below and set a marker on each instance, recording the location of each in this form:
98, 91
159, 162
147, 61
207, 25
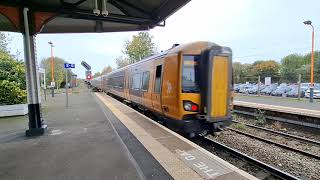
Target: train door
135, 86
146, 90
156, 94
126, 84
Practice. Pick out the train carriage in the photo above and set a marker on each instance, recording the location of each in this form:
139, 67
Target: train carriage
189, 86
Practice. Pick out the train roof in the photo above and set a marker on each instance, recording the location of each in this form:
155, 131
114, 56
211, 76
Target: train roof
188, 47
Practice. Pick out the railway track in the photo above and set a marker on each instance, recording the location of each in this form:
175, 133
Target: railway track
288, 116
306, 153
311, 141
269, 172
282, 145
245, 162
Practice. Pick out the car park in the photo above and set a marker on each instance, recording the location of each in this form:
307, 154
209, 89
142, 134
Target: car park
284, 89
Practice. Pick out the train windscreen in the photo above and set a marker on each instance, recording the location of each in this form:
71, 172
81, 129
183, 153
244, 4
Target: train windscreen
190, 74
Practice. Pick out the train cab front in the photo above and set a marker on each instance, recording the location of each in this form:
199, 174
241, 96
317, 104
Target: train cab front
207, 90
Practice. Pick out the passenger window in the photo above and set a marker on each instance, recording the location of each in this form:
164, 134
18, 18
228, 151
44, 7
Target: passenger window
157, 86
136, 81
121, 82
145, 81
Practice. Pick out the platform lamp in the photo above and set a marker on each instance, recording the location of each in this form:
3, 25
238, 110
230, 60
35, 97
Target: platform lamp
52, 69
312, 61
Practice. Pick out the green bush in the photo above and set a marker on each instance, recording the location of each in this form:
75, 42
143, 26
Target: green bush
12, 80
11, 93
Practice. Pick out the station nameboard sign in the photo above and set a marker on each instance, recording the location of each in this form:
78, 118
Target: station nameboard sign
68, 65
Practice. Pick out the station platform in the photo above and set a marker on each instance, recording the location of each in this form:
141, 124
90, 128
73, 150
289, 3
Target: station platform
283, 109
97, 137
292, 111
293, 103
286, 105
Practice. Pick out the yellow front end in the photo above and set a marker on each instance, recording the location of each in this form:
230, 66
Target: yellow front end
220, 87
207, 103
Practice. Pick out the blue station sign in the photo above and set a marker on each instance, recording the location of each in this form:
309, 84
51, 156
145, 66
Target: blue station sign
68, 65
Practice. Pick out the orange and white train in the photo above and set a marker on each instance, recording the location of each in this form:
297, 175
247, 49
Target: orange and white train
189, 86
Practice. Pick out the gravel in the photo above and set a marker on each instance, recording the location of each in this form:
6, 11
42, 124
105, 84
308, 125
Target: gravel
311, 133
291, 142
288, 161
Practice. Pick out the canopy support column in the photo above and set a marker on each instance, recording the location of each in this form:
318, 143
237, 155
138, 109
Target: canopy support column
36, 126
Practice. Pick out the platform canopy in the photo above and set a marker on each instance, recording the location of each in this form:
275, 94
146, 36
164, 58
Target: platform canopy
77, 16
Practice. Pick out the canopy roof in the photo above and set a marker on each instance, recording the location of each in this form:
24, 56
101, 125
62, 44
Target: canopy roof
76, 16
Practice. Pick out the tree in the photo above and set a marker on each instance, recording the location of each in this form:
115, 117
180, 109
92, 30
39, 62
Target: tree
97, 74
59, 71
106, 70
289, 66
295, 64
244, 73
122, 62
240, 72
268, 68
4, 41
250, 72
141, 46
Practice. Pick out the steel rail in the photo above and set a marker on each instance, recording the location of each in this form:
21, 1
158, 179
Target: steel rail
275, 143
281, 133
274, 171
276, 118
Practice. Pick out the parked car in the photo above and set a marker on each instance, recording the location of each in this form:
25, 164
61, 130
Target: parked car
305, 86
244, 89
281, 89
254, 89
269, 89
236, 87
294, 92
316, 92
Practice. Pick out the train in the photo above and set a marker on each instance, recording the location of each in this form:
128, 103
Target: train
188, 87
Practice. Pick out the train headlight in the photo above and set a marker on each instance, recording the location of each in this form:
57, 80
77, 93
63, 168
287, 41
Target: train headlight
190, 106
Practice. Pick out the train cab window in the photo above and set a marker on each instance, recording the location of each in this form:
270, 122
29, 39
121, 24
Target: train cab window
136, 81
157, 85
190, 74
145, 81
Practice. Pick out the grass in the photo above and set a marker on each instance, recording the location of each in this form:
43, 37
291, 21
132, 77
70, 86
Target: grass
277, 125
240, 126
260, 118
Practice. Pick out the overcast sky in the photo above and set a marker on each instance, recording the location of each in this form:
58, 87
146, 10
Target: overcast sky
254, 29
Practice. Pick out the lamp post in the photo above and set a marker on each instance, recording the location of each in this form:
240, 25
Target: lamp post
52, 69
312, 61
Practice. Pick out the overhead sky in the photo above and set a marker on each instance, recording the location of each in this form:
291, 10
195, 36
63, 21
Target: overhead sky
254, 29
